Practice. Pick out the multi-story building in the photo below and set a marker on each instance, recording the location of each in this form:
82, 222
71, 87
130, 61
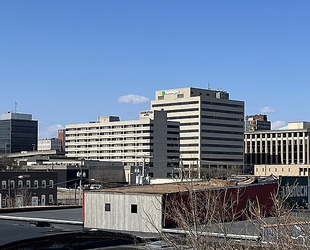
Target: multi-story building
49, 144
286, 146
151, 142
257, 122
28, 188
211, 126
18, 132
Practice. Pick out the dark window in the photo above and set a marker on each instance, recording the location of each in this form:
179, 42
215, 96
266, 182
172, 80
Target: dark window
107, 207
134, 208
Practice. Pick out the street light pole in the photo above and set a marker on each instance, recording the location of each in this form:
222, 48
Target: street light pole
9, 187
80, 174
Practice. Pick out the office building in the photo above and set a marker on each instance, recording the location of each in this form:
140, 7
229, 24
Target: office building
149, 145
289, 146
211, 126
18, 132
257, 122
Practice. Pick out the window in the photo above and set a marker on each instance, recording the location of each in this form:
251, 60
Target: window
20, 184
50, 199
51, 183
134, 208
12, 184
36, 184
107, 207
28, 184
3, 185
43, 183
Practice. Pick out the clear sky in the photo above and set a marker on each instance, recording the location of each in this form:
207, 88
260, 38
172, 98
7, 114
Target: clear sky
69, 61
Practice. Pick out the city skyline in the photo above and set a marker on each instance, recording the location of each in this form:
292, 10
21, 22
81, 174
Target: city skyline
70, 62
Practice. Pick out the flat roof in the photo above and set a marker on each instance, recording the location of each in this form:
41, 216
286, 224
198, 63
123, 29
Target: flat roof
174, 187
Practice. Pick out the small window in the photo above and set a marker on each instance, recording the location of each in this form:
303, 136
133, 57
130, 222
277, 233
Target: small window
36, 184
28, 184
180, 95
50, 199
12, 184
134, 208
20, 184
161, 97
3, 185
43, 183
107, 207
51, 183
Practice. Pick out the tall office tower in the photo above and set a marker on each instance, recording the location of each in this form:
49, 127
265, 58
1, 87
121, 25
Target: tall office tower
257, 122
18, 132
151, 141
211, 126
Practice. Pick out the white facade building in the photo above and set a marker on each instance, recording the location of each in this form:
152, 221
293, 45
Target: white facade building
49, 144
286, 146
211, 125
149, 145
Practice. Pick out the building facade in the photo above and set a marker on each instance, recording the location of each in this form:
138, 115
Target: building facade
257, 122
150, 144
49, 144
211, 125
290, 146
18, 132
28, 188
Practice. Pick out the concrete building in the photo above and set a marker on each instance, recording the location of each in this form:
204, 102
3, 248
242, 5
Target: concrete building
289, 146
257, 122
282, 170
148, 146
211, 126
18, 132
148, 208
49, 144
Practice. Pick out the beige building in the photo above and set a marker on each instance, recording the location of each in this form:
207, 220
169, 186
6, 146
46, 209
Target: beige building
282, 147
211, 125
283, 170
148, 146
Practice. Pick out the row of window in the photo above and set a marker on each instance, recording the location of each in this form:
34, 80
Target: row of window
112, 127
111, 133
221, 125
222, 118
222, 111
20, 184
222, 104
174, 104
275, 135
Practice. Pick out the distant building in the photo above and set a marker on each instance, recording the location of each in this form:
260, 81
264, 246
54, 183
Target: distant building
18, 132
62, 138
49, 144
28, 188
289, 146
148, 146
211, 126
257, 122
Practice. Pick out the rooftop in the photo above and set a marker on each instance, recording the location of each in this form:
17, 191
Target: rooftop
177, 187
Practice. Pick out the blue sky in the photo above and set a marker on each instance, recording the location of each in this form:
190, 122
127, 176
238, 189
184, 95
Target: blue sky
68, 62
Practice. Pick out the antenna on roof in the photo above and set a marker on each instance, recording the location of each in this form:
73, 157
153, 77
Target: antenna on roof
208, 85
15, 107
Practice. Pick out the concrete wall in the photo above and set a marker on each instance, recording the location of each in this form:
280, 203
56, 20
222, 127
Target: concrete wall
147, 218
